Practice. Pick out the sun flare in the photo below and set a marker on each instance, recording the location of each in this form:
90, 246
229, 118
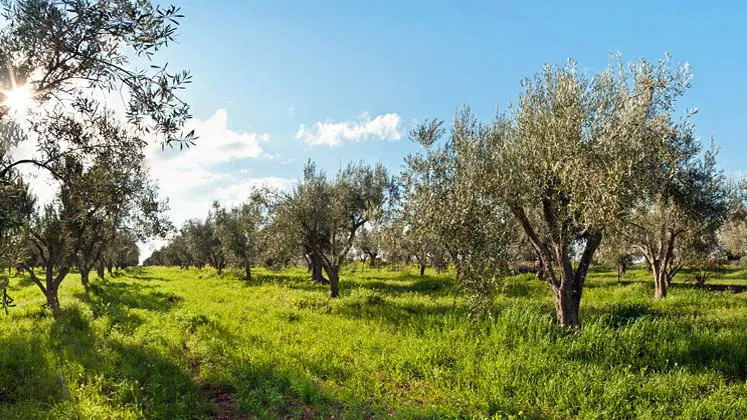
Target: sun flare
19, 99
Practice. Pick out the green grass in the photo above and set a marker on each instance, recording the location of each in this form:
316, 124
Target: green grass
155, 342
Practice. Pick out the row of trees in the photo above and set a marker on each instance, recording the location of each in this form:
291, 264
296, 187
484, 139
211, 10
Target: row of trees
319, 219
59, 57
228, 236
580, 169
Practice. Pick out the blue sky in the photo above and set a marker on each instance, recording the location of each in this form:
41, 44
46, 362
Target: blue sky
359, 74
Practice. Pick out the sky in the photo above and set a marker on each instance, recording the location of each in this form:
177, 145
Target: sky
276, 83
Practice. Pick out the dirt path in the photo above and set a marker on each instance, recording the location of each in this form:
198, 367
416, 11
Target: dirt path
224, 400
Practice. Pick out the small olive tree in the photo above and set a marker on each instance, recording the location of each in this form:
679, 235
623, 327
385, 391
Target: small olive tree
688, 200
240, 232
324, 216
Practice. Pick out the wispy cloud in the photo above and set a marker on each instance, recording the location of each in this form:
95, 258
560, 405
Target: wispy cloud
382, 127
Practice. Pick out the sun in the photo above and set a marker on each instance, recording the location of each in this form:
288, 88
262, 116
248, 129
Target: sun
19, 99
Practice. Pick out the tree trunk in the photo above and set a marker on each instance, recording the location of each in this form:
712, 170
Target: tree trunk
567, 302
316, 269
372, 262
110, 269
84, 276
100, 270
247, 271
52, 286
53, 301
660, 283
334, 282
621, 268
422, 270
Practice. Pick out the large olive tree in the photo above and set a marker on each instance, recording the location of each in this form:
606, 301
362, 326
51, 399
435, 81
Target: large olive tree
567, 163
575, 155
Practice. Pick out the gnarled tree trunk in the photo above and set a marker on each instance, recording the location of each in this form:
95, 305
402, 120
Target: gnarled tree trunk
316, 269
100, 270
84, 274
567, 303
554, 254
660, 283
50, 287
247, 271
334, 281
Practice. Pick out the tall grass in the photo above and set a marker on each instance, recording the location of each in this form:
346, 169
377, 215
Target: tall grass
150, 342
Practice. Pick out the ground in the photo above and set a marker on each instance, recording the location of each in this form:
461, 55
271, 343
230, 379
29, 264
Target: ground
167, 343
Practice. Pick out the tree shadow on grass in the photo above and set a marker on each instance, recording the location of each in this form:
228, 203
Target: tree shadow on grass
144, 277
611, 284
26, 373
392, 285
68, 360
130, 296
425, 286
22, 281
712, 287
115, 300
618, 314
132, 374
637, 334
382, 308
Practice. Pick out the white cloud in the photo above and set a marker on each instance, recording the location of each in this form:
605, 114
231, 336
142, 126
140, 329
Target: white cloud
192, 178
216, 143
383, 127
238, 192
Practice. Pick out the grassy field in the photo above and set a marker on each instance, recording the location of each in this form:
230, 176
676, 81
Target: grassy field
166, 343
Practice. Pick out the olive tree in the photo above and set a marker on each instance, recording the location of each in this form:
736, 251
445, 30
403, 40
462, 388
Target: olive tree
687, 203
616, 252
105, 188
733, 233
567, 162
54, 248
369, 243
240, 232
16, 209
446, 199
405, 240
573, 156
326, 215
203, 245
